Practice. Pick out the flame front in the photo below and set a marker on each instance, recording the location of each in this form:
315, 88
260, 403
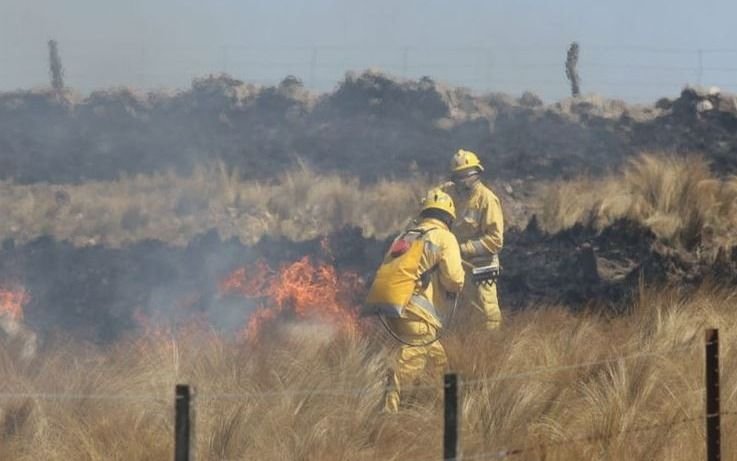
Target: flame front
302, 289
12, 302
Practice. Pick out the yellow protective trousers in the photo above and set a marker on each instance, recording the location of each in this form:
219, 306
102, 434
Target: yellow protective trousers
480, 232
483, 304
411, 361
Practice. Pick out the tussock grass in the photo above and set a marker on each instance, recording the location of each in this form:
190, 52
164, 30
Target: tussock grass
299, 205
610, 400
678, 198
684, 203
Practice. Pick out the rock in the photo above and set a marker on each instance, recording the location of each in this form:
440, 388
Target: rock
727, 103
704, 106
529, 99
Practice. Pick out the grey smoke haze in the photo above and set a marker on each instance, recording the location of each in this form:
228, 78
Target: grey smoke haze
629, 49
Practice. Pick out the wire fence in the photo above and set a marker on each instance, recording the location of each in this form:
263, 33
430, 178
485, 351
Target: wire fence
583, 439
625, 67
338, 391
469, 385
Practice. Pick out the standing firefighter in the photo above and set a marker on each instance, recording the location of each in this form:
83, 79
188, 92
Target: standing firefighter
480, 232
414, 289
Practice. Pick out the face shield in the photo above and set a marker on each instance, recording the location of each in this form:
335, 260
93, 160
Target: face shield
465, 178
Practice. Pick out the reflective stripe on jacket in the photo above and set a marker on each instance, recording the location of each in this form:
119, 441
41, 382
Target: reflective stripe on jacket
443, 257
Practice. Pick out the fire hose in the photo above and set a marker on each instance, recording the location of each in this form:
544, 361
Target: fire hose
487, 275
437, 337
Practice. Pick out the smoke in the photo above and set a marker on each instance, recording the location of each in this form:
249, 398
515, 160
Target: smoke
371, 126
366, 124
100, 294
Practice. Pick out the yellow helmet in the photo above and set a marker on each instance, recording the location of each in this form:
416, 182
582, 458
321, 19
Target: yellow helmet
438, 200
463, 160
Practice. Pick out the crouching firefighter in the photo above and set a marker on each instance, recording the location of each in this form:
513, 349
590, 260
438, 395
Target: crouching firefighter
415, 288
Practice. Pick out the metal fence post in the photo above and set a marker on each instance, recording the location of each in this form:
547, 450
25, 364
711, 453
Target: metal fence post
181, 422
713, 423
451, 448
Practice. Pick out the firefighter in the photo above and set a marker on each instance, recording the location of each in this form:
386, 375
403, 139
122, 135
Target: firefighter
480, 233
414, 291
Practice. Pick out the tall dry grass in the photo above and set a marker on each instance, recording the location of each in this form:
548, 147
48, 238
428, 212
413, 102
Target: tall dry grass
504, 405
299, 205
677, 197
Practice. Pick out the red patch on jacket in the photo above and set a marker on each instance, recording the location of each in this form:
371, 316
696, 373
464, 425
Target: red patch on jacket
399, 248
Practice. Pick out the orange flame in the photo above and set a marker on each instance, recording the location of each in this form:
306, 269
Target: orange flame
12, 301
302, 289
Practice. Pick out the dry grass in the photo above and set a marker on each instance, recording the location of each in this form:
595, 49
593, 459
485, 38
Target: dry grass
298, 205
679, 198
609, 400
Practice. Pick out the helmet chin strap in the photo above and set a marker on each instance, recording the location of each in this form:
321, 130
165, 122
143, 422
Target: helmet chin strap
466, 183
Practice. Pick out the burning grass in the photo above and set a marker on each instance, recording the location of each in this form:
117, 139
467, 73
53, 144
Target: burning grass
303, 290
12, 300
267, 400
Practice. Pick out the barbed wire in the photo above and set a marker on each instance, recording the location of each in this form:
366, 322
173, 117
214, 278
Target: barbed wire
470, 47
497, 454
356, 391
588, 438
463, 383
308, 60
341, 66
74, 396
600, 437
573, 366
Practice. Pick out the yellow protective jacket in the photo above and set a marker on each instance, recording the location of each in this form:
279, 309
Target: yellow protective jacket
479, 226
443, 253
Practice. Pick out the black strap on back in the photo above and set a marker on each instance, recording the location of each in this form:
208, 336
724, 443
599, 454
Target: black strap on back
426, 276
425, 282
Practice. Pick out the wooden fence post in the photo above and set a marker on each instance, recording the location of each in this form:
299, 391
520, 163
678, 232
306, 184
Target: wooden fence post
451, 446
713, 423
182, 422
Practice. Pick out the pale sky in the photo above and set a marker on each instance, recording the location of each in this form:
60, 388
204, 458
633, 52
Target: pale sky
634, 50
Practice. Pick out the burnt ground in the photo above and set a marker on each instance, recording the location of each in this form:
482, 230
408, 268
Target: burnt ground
580, 267
371, 126
94, 292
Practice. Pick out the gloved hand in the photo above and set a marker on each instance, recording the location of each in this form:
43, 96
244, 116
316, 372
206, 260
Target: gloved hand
446, 185
467, 250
